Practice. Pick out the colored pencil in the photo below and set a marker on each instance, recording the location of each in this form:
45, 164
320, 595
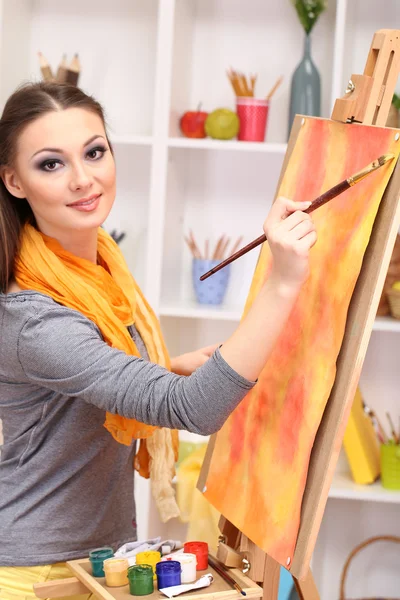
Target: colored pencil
392, 429
61, 76
73, 71
45, 68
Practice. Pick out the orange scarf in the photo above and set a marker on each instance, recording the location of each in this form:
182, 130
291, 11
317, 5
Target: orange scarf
108, 295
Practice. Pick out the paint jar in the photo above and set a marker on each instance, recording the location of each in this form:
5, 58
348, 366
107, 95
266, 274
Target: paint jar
140, 579
116, 571
149, 557
168, 573
97, 558
200, 549
188, 565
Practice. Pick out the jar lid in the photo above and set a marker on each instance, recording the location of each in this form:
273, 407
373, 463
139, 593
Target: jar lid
140, 571
196, 546
169, 566
101, 553
116, 564
149, 555
186, 558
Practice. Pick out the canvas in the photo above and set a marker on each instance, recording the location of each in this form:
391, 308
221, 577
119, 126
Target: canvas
258, 469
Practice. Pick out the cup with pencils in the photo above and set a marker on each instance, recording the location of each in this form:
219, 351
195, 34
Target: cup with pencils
390, 453
252, 112
213, 290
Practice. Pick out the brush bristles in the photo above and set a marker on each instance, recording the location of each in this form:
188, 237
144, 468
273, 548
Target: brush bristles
385, 158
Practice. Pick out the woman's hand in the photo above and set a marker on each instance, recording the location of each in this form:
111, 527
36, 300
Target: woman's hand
291, 234
185, 364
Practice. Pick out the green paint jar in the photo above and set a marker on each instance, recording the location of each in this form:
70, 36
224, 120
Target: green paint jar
140, 579
97, 558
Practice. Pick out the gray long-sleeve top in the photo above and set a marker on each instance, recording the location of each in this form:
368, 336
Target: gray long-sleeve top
66, 486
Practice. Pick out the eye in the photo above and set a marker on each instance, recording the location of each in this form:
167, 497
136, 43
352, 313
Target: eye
97, 152
50, 165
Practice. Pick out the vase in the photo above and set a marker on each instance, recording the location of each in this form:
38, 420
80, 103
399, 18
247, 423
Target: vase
305, 89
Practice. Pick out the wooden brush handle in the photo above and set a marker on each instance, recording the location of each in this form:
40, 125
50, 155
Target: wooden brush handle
320, 201
234, 256
329, 195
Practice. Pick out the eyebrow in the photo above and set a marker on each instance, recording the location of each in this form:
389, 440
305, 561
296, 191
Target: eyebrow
59, 151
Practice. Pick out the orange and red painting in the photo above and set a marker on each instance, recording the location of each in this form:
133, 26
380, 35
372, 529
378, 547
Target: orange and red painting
258, 469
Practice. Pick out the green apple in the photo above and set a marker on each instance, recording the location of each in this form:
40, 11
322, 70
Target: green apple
222, 124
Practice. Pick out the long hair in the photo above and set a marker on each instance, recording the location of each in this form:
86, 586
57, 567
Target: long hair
28, 103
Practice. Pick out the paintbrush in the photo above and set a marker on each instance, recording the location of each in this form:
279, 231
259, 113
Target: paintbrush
320, 201
392, 429
383, 438
220, 569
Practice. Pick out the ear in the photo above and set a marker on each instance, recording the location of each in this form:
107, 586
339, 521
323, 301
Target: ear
12, 183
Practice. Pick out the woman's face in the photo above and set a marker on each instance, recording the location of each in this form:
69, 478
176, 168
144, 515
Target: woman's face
65, 170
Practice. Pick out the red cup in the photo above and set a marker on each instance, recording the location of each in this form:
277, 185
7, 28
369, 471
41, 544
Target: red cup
252, 113
200, 549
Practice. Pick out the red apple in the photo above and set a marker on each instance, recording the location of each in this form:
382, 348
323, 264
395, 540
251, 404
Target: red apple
192, 123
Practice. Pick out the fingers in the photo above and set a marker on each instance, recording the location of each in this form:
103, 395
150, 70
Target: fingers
209, 350
293, 220
301, 229
283, 207
287, 212
307, 242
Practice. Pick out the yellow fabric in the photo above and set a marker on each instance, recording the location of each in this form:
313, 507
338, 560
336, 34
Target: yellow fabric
107, 294
201, 516
16, 583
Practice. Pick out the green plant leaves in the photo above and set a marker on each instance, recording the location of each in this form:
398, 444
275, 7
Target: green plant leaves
308, 12
396, 101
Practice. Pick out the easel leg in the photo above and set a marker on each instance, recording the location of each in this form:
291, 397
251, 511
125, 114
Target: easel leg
306, 588
271, 579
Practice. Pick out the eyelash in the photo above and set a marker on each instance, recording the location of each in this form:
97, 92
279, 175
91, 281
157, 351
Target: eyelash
51, 161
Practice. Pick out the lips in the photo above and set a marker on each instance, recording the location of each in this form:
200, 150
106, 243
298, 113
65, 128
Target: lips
85, 201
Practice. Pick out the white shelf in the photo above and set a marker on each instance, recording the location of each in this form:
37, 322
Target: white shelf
192, 310
134, 140
344, 488
210, 144
386, 324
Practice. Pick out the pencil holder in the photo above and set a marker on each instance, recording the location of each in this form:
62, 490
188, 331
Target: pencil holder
212, 290
252, 113
390, 466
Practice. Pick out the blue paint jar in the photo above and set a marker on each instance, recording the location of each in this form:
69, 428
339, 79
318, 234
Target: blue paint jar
97, 558
168, 573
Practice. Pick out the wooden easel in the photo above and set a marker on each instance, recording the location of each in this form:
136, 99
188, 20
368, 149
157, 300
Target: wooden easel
367, 101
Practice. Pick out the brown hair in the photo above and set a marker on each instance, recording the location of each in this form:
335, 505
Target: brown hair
25, 105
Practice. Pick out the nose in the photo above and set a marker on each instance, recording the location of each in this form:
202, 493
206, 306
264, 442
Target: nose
81, 178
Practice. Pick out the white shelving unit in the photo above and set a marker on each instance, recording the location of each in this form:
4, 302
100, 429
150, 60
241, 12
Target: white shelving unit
343, 487
147, 62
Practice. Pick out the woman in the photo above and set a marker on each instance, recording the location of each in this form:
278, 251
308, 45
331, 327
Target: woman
82, 362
